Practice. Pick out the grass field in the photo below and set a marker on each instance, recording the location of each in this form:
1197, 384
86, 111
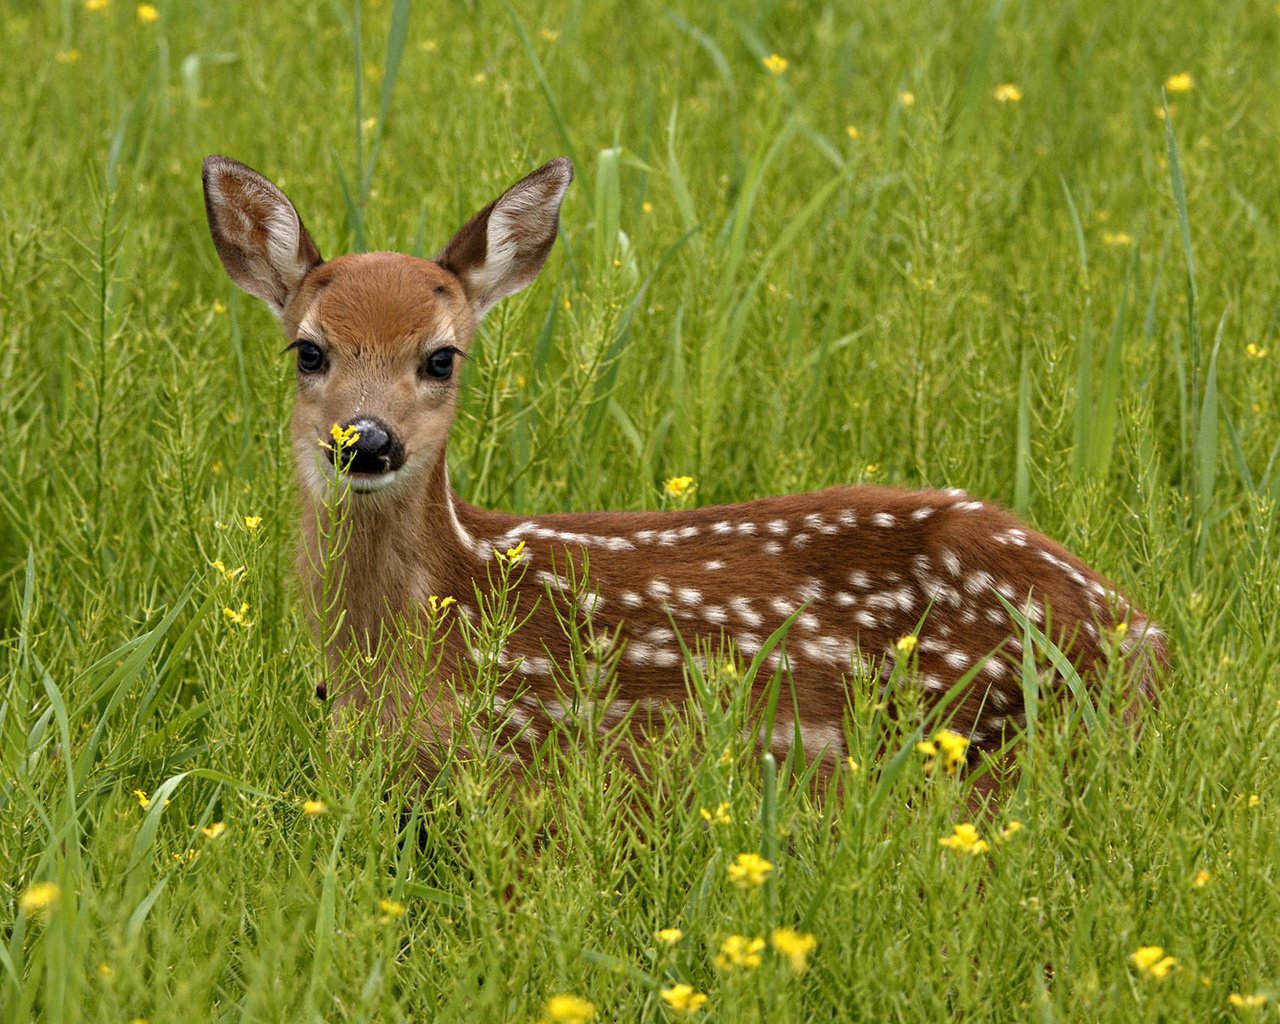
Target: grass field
874, 263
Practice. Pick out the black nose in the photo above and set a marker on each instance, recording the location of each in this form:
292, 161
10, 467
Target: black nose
376, 448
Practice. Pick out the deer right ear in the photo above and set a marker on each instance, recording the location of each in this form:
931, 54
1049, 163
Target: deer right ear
502, 248
257, 232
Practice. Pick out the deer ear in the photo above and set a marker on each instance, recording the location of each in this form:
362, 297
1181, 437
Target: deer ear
257, 232
502, 248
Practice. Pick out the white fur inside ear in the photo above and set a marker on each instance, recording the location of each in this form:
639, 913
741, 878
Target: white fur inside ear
521, 221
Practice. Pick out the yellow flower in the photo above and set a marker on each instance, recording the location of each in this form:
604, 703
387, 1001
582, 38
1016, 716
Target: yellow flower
41, 898
314, 808
566, 1009
669, 936
907, 98
1151, 960
1253, 801
964, 839
1117, 238
906, 644
679, 486
227, 574
683, 998
1181, 82
720, 816
104, 971
186, 856
749, 870
144, 801
390, 908
251, 523
549, 34
774, 64
438, 604
67, 56
147, 13
1009, 831
214, 831
343, 437
218, 307
739, 951
795, 946
1007, 93
240, 618
1246, 1002
646, 207
852, 131
513, 554
1201, 879
1255, 351
95, 5
851, 764
953, 745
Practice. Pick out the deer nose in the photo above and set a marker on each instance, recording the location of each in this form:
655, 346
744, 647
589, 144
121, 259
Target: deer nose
375, 450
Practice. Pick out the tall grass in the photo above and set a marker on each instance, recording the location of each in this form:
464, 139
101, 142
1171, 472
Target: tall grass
865, 267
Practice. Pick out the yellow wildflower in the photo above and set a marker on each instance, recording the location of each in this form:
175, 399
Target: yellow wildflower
646, 207
251, 523
1181, 82
683, 999
669, 936
1151, 960
964, 839
343, 437
67, 56
907, 98
186, 856
240, 618
1253, 801
1010, 830
314, 808
214, 831
720, 816
144, 801
227, 574
1117, 238
953, 745
906, 644
1201, 879
104, 971
147, 13
549, 34
439, 604
851, 764
774, 64
795, 946
218, 307
1007, 93
739, 951
567, 1009
40, 898
679, 486
1246, 1002
852, 131
95, 5
1255, 351
390, 909
514, 554
749, 870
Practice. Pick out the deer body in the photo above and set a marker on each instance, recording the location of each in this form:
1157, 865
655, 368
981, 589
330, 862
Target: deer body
858, 568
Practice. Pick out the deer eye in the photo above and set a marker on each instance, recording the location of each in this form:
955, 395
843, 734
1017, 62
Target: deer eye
438, 365
310, 358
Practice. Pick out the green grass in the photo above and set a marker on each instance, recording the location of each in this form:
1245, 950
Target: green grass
1048, 302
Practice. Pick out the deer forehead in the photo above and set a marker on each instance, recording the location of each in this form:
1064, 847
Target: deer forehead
382, 305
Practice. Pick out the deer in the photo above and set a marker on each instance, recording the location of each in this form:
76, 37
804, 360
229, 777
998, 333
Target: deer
857, 576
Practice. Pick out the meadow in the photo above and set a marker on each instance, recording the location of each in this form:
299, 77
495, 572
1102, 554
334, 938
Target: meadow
1028, 250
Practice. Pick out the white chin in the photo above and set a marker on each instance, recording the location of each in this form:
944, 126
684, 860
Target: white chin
367, 483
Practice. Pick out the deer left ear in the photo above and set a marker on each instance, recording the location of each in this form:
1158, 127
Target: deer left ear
257, 232
502, 248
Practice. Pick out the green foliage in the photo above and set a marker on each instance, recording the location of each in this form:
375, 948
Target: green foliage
864, 267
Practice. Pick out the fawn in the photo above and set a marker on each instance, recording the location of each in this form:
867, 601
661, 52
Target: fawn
377, 339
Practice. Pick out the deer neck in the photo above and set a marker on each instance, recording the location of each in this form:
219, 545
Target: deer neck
384, 555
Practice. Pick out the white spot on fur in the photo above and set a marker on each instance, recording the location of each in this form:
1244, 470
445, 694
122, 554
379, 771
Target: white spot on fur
865, 618
742, 608
843, 598
950, 561
782, 606
715, 614
630, 599
778, 527
921, 514
688, 595
859, 580
772, 547
713, 565
884, 519
722, 527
